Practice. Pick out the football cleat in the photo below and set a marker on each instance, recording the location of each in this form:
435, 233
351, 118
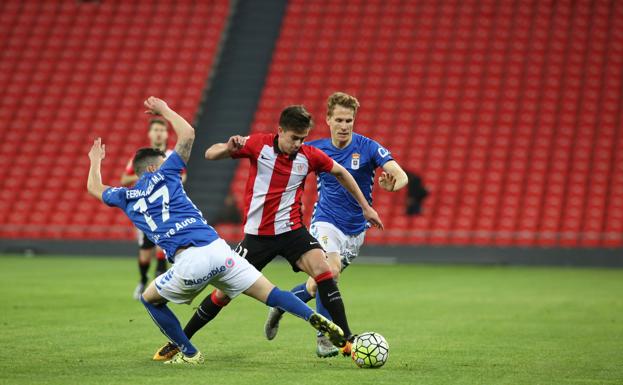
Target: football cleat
272, 322
181, 359
347, 349
325, 348
166, 352
328, 328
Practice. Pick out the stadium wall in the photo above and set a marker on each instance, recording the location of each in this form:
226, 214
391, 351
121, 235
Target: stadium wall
580, 257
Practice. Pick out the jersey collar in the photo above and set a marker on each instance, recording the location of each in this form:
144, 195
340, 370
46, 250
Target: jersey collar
278, 151
352, 140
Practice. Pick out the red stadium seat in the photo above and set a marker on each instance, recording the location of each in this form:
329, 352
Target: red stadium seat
64, 67
515, 137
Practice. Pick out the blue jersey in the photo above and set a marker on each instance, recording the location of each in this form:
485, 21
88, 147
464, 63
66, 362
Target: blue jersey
335, 204
158, 205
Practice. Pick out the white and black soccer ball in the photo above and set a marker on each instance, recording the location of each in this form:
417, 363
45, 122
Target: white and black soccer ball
370, 350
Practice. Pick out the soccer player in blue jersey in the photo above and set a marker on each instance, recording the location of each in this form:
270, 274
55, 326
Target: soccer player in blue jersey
337, 222
158, 205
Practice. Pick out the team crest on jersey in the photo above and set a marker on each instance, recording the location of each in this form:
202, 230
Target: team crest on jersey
354, 161
300, 168
325, 239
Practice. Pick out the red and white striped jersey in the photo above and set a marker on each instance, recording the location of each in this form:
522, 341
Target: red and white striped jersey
275, 185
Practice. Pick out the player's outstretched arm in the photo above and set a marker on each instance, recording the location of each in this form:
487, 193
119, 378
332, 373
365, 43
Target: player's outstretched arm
184, 131
349, 183
393, 177
224, 150
94, 181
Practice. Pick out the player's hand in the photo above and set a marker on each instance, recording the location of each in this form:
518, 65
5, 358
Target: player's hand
371, 216
156, 106
387, 181
236, 142
98, 150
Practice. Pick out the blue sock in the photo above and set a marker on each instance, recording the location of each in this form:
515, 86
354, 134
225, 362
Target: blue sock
170, 326
288, 302
320, 309
301, 292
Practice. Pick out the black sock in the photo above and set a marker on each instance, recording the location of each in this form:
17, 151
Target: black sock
161, 266
143, 268
331, 298
207, 310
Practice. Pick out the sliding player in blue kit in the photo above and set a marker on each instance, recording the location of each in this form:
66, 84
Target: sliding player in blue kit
159, 206
337, 222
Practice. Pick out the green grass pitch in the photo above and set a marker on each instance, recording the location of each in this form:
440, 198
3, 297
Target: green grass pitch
72, 321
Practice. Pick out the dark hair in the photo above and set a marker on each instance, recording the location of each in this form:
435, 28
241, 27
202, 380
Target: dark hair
295, 118
153, 121
145, 157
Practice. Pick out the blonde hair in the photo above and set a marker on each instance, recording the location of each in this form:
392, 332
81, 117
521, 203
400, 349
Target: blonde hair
341, 99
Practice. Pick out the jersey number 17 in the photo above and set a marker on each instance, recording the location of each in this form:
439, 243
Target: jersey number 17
141, 206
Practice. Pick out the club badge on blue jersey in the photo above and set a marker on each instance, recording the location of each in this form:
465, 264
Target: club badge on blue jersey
354, 161
335, 204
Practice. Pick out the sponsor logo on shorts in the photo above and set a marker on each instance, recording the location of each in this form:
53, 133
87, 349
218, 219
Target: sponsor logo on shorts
205, 278
229, 262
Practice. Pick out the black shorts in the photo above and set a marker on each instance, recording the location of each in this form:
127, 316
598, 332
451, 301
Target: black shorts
259, 250
144, 243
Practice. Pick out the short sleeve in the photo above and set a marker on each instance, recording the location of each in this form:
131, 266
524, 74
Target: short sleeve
115, 197
318, 160
379, 154
173, 164
251, 148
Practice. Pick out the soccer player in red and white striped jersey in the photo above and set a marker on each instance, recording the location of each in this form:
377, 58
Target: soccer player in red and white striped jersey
273, 218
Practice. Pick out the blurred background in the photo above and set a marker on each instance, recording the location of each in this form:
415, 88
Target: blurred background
508, 111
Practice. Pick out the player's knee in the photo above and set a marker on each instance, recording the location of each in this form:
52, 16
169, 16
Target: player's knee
320, 266
336, 272
335, 263
335, 269
313, 263
219, 298
152, 300
321, 269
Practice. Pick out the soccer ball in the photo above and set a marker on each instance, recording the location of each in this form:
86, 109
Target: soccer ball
370, 350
